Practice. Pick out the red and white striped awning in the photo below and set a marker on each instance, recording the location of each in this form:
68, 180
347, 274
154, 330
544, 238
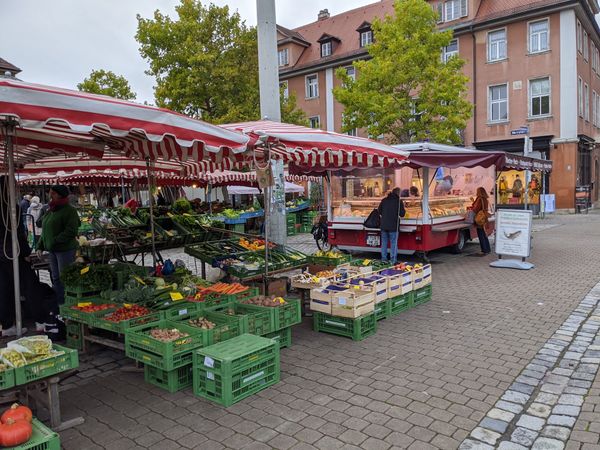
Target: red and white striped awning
310, 147
232, 178
105, 178
54, 121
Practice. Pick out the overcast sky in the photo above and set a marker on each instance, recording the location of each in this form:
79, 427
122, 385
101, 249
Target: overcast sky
59, 42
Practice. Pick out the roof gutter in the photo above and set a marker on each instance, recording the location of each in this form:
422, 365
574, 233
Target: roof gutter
284, 75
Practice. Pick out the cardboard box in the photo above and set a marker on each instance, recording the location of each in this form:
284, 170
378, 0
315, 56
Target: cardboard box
353, 313
276, 287
353, 298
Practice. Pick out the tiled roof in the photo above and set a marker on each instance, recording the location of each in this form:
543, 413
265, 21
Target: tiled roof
290, 33
494, 9
5, 65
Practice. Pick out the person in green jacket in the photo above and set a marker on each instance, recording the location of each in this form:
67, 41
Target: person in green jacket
59, 235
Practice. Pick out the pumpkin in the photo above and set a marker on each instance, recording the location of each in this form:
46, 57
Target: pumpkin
14, 432
17, 412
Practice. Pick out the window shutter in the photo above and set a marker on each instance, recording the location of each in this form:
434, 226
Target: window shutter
440, 11
463, 8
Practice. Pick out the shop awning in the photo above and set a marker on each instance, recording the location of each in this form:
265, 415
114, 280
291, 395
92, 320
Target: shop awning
290, 188
54, 121
232, 178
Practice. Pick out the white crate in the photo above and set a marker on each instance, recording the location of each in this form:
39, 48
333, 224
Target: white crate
400, 284
323, 306
422, 276
353, 298
353, 313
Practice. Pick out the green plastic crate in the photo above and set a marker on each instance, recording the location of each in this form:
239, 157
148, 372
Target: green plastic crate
227, 326
122, 326
282, 337
139, 345
422, 295
47, 367
7, 378
235, 369
75, 335
382, 310
252, 319
357, 329
67, 311
288, 314
42, 438
182, 309
400, 303
325, 261
169, 380
228, 298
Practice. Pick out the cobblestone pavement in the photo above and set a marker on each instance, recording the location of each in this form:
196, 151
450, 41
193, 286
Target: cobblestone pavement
427, 380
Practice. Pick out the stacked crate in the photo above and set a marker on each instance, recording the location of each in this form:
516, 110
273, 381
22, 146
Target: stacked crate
291, 224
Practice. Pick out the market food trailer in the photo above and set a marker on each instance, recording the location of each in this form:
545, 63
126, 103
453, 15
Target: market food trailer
438, 184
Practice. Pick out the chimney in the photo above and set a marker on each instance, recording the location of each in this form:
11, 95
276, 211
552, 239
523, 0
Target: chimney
323, 14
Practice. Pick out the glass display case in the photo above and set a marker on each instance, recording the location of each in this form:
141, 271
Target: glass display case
451, 192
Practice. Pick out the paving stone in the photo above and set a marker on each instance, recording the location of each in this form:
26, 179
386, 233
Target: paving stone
470, 444
523, 388
570, 399
546, 398
560, 433
552, 388
539, 410
566, 410
487, 436
515, 397
523, 436
547, 444
507, 445
500, 414
575, 390
531, 422
509, 406
566, 421
496, 425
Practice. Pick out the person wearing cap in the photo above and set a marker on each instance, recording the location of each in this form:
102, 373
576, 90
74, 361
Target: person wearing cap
59, 235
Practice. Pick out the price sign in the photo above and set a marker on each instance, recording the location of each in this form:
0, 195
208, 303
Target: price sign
176, 296
84, 304
513, 233
84, 270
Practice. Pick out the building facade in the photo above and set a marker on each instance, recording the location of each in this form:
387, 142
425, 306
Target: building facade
531, 63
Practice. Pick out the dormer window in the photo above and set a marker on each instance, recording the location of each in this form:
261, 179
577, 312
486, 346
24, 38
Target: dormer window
326, 49
366, 34
283, 57
328, 44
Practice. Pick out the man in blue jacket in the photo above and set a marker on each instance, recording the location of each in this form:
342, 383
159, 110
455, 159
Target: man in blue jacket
391, 210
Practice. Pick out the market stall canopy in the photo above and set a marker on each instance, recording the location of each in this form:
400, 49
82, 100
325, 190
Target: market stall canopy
54, 121
315, 148
228, 177
290, 188
105, 178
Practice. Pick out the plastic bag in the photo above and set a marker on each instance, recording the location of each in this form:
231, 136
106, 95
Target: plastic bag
12, 358
32, 346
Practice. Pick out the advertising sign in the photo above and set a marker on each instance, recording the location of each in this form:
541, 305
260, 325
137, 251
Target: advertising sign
513, 233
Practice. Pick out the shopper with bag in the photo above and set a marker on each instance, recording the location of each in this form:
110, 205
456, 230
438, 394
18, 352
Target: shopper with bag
480, 209
391, 210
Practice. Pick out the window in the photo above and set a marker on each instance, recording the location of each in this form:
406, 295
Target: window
282, 55
315, 122
593, 55
586, 49
440, 12
325, 49
451, 50
366, 38
312, 86
351, 72
580, 97
538, 36
284, 89
579, 37
539, 97
497, 45
594, 119
597, 110
352, 132
455, 9
498, 103
586, 93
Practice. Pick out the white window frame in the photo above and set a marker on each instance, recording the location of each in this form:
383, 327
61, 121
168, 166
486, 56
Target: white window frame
594, 118
492, 102
366, 38
586, 93
286, 88
351, 72
446, 55
497, 52
580, 97
283, 57
530, 35
326, 45
579, 37
455, 9
593, 54
530, 99
318, 120
314, 92
597, 110
586, 46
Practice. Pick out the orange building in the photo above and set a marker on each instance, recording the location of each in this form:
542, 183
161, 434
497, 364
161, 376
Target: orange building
533, 63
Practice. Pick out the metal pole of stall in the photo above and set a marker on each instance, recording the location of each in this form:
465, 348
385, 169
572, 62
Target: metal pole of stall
151, 213
9, 131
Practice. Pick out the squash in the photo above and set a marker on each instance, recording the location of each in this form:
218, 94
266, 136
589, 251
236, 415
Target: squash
13, 433
17, 412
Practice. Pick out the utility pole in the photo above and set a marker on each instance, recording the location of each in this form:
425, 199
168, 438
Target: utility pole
268, 75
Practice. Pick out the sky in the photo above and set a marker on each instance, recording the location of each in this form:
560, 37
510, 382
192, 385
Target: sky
60, 42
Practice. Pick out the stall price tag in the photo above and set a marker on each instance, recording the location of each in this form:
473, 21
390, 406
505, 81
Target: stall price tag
342, 300
84, 304
127, 305
138, 279
84, 270
209, 362
210, 375
176, 296
148, 234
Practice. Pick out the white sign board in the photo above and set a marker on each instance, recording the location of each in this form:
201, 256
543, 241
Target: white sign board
549, 203
513, 233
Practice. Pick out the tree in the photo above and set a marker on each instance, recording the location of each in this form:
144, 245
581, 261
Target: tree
106, 82
289, 112
406, 91
205, 62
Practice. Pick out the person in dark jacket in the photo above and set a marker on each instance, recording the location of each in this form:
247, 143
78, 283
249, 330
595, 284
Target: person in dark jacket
60, 226
391, 210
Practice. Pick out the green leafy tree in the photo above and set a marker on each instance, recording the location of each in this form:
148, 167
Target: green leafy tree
289, 112
405, 91
106, 82
205, 63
